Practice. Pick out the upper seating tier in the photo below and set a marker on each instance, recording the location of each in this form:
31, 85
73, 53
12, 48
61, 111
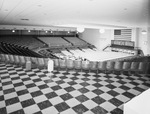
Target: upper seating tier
28, 41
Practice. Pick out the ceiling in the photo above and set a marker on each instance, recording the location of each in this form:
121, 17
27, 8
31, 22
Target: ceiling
76, 13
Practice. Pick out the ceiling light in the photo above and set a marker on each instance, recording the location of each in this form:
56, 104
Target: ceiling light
80, 29
101, 30
144, 32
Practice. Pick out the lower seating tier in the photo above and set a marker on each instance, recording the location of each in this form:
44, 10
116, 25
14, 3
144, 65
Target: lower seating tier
81, 65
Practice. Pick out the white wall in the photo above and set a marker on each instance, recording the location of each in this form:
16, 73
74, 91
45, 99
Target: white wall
93, 36
144, 40
100, 40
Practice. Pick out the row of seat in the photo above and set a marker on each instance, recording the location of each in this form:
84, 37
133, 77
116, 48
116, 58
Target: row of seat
36, 62
106, 66
79, 65
23, 40
17, 50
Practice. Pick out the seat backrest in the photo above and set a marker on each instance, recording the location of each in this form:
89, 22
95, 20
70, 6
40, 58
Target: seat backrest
17, 60
2, 56
62, 63
34, 60
126, 65
93, 65
56, 62
27, 58
102, 65
85, 65
118, 65
11, 57
77, 64
134, 66
110, 65
7, 59
40, 61
142, 66
22, 59
46, 61
70, 63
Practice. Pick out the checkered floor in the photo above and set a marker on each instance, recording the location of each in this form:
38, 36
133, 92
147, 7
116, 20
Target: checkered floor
40, 92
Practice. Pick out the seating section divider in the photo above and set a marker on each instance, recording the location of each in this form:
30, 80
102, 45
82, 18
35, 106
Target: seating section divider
66, 64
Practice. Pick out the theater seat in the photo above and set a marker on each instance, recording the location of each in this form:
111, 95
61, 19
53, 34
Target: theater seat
40, 63
77, 65
17, 60
70, 64
110, 66
143, 67
126, 67
7, 60
118, 67
62, 64
134, 67
85, 66
12, 60
56, 64
93, 66
102, 66
22, 61
34, 62
2, 57
46, 62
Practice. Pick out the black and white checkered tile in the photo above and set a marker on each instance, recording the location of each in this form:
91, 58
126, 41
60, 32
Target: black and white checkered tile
40, 92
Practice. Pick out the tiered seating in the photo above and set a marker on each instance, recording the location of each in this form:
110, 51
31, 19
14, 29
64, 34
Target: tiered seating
47, 53
7, 48
55, 41
28, 41
76, 41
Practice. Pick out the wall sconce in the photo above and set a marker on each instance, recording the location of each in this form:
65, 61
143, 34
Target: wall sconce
144, 32
101, 30
29, 31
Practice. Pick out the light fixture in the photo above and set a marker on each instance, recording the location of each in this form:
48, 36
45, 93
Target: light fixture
29, 31
46, 31
144, 32
13, 30
80, 29
101, 30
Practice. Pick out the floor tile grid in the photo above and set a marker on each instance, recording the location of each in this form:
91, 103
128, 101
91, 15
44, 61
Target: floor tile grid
83, 90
